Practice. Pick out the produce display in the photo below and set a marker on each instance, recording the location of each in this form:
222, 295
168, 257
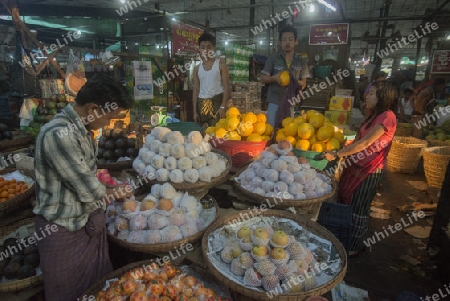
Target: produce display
6, 133
246, 127
47, 108
441, 133
154, 282
311, 131
272, 254
169, 156
11, 186
115, 145
277, 172
165, 215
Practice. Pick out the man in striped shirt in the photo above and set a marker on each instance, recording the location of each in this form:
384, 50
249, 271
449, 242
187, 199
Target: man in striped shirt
70, 196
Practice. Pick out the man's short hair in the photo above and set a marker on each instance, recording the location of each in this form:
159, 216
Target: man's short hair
287, 29
207, 37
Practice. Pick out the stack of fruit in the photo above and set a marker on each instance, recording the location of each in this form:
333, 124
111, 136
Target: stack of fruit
47, 108
11, 188
157, 282
264, 257
21, 259
441, 133
246, 127
114, 145
310, 132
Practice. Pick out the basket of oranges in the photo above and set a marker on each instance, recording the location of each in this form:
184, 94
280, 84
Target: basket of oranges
242, 136
16, 189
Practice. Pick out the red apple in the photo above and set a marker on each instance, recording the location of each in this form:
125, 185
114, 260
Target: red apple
138, 296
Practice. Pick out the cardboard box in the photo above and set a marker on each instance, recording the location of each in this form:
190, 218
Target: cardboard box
342, 103
338, 117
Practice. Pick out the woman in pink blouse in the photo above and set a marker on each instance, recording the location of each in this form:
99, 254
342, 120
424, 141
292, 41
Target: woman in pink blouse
365, 160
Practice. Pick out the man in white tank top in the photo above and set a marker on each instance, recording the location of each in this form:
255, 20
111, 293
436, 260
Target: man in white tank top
211, 84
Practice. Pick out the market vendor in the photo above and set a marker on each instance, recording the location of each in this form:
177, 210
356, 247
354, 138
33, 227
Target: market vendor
69, 195
365, 160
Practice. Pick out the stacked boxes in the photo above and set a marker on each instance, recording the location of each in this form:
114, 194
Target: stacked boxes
340, 109
237, 58
247, 96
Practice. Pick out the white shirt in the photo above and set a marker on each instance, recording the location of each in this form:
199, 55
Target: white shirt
210, 81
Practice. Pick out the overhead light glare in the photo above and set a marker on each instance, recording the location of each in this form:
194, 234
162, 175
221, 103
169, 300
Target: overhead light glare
327, 5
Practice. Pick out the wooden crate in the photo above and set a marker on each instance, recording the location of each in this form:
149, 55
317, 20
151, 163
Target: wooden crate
246, 101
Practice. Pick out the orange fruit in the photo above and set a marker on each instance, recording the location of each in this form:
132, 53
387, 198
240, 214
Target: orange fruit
303, 144
210, 130
309, 114
265, 138
259, 128
280, 136
324, 133
250, 117
285, 78
254, 138
290, 139
299, 120
318, 147
233, 135
269, 129
316, 120
333, 144
305, 131
245, 128
286, 121
233, 111
261, 118
291, 129
339, 136
232, 123
220, 133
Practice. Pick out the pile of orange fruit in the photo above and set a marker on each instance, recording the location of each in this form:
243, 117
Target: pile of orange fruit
311, 131
11, 188
242, 127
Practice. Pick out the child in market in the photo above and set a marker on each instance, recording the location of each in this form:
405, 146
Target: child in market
211, 84
69, 196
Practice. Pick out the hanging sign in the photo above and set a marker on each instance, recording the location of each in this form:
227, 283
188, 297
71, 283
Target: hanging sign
185, 38
441, 61
328, 34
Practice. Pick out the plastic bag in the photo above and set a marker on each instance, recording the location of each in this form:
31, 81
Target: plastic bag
75, 76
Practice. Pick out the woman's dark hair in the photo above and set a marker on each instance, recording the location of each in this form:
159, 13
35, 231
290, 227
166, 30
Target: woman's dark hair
207, 37
101, 89
287, 29
387, 96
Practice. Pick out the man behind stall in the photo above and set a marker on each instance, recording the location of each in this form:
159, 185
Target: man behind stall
68, 194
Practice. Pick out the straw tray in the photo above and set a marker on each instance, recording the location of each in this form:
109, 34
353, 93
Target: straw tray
19, 285
200, 186
241, 152
435, 161
163, 247
310, 226
26, 140
20, 200
405, 154
285, 203
201, 275
116, 166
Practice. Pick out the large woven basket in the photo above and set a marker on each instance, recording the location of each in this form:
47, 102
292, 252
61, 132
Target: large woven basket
241, 152
404, 129
434, 142
200, 186
25, 141
435, 161
285, 203
19, 285
405, 154
162, 247
19, 201
258, 295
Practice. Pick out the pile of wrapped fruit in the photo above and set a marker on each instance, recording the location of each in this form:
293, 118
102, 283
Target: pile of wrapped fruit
278, 172
311, 131
168, 156
153, 282
165, 215
246, 127
262, 257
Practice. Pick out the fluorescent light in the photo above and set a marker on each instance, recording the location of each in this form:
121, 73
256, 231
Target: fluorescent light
122, 1
79, 32
173, 19
311, 8
260, 42
328, 5
226, 42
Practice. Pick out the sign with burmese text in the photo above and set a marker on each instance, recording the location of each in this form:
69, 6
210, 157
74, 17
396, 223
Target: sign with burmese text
328, 34
441, 61
185, 38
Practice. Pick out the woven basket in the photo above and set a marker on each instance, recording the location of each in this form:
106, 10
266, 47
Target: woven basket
19, 285
404, 129
116, 166
6, 145
435, 161
285, 203
405, 154
241, 152
163, 247
20, 200
433, 142
200, 186
257, 295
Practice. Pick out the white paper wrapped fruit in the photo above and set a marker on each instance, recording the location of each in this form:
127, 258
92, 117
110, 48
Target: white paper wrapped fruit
165, 215
278, 172
169, 156
265, 258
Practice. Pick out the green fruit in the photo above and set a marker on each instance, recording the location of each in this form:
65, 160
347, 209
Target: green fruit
447, 142
50, 104
441, 136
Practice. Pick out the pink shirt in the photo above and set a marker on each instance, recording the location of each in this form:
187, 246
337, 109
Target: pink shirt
389, 121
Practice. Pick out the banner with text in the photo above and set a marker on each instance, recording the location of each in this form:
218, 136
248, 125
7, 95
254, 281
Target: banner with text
328, 34
441, 61
185, 38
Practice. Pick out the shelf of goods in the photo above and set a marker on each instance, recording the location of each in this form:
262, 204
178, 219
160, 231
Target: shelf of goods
273, 255
147, 280
20, 271
16, 189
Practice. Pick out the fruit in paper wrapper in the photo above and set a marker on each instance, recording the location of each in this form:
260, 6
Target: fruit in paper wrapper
236, 268
246, 260
270, 282
252, 277
227, 254
265, 267
278, 254
260, 251
280, 239
243, 232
